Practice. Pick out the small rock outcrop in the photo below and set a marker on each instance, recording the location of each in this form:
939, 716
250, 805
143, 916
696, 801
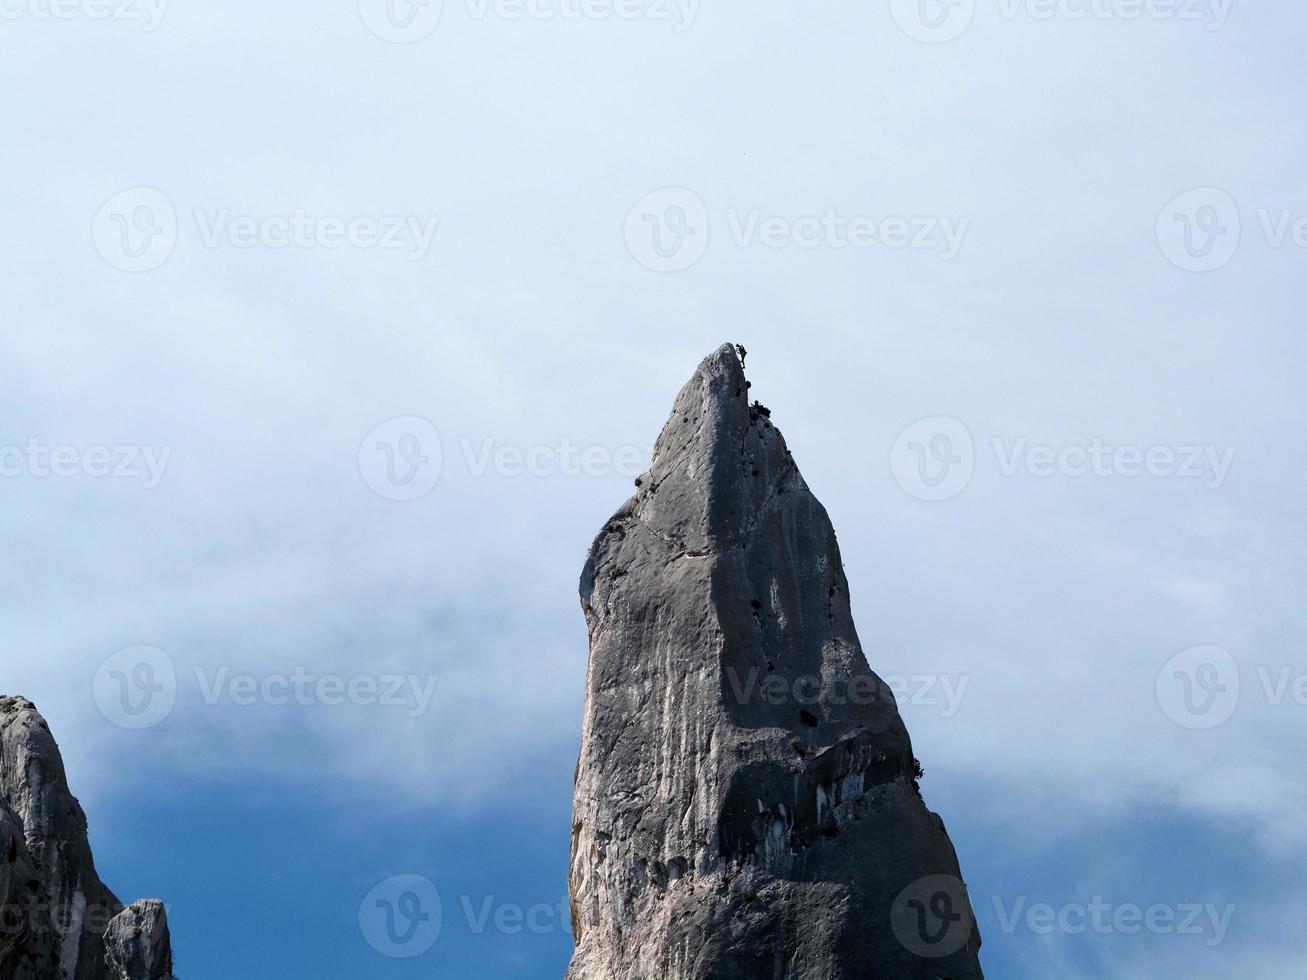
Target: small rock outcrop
137, 945
747, 801
61, 919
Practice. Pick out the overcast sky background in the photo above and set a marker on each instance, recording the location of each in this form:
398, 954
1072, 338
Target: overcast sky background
602, 188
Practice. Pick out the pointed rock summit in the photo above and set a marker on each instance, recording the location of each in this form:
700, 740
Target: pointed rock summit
747, 801
60, 921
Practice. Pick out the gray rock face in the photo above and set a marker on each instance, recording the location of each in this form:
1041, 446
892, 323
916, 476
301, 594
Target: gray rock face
26, 936
61, 909
137, 944
746, 798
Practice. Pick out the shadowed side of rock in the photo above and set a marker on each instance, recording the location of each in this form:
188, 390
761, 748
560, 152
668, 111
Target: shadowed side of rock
27, 949
746, 798
64, 919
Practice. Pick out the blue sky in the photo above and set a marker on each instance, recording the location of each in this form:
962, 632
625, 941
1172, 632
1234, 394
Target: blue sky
1021, 286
